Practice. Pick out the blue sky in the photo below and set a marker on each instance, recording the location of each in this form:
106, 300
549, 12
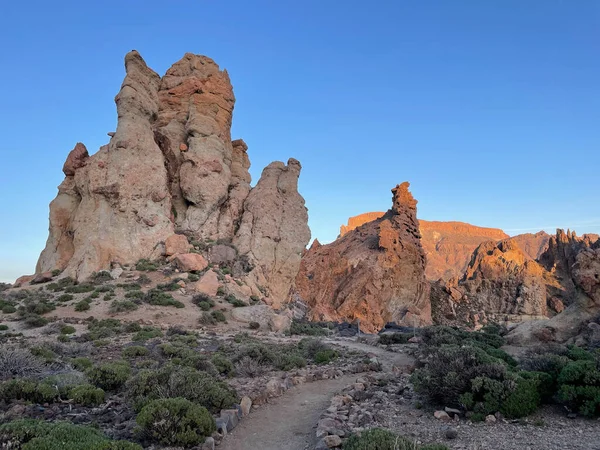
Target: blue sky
489, 108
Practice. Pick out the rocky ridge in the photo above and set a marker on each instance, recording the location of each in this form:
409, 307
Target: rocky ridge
374, 273
171, 167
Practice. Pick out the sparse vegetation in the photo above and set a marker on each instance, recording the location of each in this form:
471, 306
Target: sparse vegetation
119, 306
160, 298
146, 265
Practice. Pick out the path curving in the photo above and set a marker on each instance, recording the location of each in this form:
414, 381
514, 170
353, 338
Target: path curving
288, 422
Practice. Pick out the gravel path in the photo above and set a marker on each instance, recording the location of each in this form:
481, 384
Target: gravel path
288, 422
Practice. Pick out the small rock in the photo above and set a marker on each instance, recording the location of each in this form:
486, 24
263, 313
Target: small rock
332, 441
490, 419
245, 404
451, 433
452, 411
116, 272
443, 416
209, 444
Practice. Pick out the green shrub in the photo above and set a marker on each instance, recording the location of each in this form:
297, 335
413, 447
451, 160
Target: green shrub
82, 305
8, 309
67, 329
134, 351
176, 422
23, 389
218, 316
65, 298
308, 328
102, 289
34, 434
175, 351
172, 381
81, 363
136, 295
167, 287
192, 277
80, 288
3, 327
379, 439
236, 302
118, 306
43, 352
35, 321
202, 300
394, 338
325, 356
87, 395
579, 387
132, 327
159, 298
145, 265
223, 364
109, 376
146, 333
206, 319
220, 291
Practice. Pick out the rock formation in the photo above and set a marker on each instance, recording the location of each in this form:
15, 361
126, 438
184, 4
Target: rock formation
448, 245
533, 245
501, 283
575, 262
374, 273
171, 166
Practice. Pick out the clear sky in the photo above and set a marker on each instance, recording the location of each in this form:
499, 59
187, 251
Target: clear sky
489, 108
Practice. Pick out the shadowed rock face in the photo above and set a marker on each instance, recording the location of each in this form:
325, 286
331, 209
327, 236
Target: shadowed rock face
171, 166
374, 273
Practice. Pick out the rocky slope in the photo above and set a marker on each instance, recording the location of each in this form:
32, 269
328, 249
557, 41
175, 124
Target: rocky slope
374, 273
171, 166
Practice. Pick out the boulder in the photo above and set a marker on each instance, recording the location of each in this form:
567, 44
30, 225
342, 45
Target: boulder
374, 273
190, 262
219, 254
176, 243
43, 277
208, 283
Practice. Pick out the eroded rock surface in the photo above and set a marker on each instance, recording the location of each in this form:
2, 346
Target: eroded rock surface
374, 273
171, 166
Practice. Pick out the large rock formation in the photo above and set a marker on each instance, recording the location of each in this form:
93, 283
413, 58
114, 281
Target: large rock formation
501, 283
374, 273
448, 245
533, 245
171, 166
575, 262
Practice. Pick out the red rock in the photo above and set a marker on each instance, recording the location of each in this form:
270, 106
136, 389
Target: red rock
190, 262
208, 284
176, 243
374, 273
77, 159
183, 147
22, 280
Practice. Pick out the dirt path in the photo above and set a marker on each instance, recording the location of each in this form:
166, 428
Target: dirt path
288, 422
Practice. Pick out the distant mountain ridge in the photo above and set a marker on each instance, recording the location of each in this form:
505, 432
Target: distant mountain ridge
450, 245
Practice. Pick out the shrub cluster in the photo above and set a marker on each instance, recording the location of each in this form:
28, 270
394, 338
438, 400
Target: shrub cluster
469, 370
308, 328
379, 439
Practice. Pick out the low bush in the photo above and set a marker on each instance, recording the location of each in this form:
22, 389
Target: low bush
119, 306
223, 364
35, 434
236, 302
176, 422
87, 395
379, 439
135, 295
218, 316
325, 356
248, 367
159, 298
134, 351
172, 381
394, 338
579, 386
192, 277
146, 265
308, 328
35, 321
132, 327
81, 363
64, 298
8, 309
203, 301
82, 305
80, 288
206, 319
3, 327
109, 376
146, 333
67, 329
167, 287
28, 390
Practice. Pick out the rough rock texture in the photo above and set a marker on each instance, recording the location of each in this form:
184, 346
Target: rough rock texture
448, 245
274, 230
575, 263
171, 166
533, 244
501, 283
374, 273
